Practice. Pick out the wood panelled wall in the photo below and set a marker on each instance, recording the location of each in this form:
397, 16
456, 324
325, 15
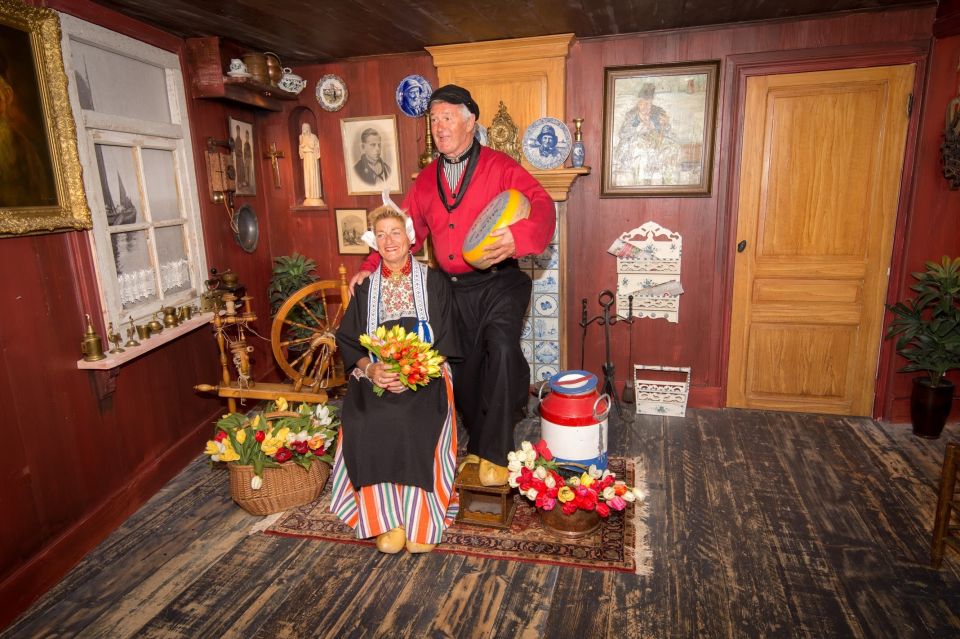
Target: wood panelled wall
699, 339
932, 228
371, 83
78, 465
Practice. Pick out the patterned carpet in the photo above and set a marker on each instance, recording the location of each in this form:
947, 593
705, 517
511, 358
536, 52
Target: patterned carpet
619, 544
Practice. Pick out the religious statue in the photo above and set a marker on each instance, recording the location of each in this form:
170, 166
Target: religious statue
310, 154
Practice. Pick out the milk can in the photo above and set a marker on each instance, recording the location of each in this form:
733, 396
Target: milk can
573, 419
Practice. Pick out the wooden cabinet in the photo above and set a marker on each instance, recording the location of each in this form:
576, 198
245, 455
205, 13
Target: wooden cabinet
206, 61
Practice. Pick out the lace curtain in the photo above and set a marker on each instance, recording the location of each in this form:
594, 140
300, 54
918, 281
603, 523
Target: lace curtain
139, 285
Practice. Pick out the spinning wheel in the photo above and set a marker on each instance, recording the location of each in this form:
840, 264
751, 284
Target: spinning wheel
302, 339
302, 335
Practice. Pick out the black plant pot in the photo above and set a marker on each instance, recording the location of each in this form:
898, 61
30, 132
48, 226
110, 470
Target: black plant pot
930, 406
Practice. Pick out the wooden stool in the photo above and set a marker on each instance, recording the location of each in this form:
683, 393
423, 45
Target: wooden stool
943, 532
480, 505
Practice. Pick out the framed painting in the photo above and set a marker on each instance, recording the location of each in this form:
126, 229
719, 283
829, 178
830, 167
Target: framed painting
370, 154
244, 156
41, 185
658, 130
351, 224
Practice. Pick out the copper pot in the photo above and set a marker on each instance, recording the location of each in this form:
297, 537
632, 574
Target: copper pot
579, 524
257, 66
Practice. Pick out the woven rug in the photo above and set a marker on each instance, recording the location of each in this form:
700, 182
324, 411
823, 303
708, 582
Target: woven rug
619, 544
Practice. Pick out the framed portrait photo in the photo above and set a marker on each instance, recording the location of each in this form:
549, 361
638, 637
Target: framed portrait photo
351, 224
244, 156
41, 184
658, 130
370, 154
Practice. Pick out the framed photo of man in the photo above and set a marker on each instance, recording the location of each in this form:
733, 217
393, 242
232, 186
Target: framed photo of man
658, 130
370, 154
351, 224
244, 156
41, 185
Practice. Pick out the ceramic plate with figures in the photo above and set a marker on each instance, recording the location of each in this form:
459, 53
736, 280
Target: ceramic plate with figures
546, 143
331, 92
413, 95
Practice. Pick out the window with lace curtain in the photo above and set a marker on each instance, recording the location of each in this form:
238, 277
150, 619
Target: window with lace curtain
134, 140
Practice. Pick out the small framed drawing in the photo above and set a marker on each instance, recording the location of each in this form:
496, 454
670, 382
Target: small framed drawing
351, 224
658, 130
41, 184
244, 154
370, 154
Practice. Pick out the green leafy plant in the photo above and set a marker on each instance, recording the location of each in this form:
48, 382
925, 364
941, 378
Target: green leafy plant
290, 274
928, 325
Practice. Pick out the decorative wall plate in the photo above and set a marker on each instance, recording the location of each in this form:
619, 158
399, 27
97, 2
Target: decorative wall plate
331, 92
413, 95
546, 143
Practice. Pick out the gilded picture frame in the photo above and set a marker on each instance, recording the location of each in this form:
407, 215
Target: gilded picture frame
658, 130
41, 184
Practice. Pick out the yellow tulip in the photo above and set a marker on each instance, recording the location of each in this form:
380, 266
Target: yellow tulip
256, 422
586, 480
281, 404
241, 435
229, 454
212, 448
270, 446
282, 434
565, 494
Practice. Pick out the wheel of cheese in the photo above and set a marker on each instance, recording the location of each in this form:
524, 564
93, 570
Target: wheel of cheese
505, 209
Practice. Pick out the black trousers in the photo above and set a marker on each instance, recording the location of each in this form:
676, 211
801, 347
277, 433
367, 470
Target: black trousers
491, 384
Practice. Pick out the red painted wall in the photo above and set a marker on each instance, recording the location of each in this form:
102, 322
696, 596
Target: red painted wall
699, 339
933, 222
371, 83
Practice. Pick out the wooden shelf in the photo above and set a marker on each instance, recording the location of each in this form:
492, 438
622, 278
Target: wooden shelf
209, 82
153, 342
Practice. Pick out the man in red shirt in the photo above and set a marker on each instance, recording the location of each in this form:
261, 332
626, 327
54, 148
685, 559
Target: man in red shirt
491, 383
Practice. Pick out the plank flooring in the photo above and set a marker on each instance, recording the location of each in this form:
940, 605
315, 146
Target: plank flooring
761, 524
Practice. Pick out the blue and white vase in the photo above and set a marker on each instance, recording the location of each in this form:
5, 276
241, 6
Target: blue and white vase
577, 153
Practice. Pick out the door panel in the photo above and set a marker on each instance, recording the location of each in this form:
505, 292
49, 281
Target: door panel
819, 182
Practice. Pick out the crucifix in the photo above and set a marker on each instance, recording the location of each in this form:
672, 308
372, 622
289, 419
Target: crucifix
273, 155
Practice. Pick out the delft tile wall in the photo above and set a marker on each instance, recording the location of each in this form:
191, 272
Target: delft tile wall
540, 339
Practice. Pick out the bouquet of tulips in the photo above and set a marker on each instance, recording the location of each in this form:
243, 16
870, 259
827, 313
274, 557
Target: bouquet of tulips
537, 474
281, 433
403, 353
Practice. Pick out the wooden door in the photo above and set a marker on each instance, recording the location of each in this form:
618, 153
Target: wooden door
820, 170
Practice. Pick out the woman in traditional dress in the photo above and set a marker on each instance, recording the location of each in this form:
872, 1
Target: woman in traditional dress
395, 463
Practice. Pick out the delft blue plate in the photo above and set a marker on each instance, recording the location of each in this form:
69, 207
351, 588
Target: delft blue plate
546, 143
413, 93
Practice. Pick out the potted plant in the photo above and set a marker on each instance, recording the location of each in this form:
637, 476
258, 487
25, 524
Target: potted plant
278, 458
290, 274
571, 503
928, 337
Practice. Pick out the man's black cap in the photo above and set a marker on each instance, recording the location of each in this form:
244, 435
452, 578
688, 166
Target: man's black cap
452, 94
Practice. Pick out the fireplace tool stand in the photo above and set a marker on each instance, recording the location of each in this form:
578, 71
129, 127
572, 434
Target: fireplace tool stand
606, 319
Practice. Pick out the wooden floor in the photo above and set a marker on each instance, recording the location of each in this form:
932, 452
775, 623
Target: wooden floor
762, 525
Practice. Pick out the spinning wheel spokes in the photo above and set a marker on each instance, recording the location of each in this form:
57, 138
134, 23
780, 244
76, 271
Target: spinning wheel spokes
302, 334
